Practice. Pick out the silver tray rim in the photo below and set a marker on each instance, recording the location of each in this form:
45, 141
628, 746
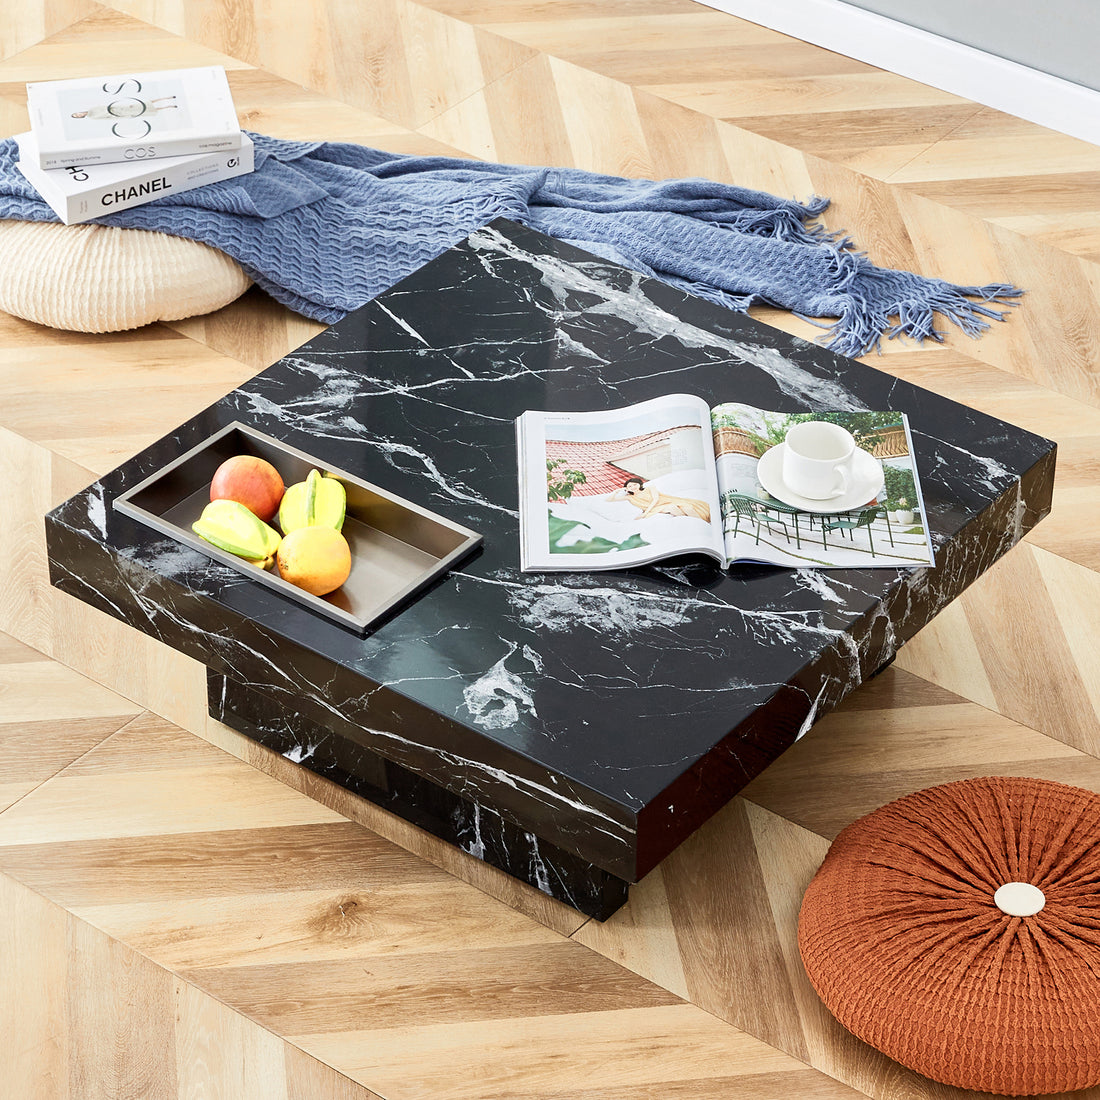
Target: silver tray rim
124, 503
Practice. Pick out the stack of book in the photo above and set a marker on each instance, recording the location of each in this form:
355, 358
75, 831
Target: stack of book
102, 144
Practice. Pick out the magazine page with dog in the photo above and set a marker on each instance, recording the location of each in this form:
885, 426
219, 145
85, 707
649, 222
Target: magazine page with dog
615, 489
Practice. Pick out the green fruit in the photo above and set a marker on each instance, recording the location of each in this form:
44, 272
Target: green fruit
230, 526
316, 502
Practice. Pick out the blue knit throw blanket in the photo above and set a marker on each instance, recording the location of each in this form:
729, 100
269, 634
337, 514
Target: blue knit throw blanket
324, 227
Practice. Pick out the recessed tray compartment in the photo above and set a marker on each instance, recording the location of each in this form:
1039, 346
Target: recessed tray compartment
397, 547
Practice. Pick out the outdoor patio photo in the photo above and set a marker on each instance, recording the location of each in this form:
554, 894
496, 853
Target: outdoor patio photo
888, 523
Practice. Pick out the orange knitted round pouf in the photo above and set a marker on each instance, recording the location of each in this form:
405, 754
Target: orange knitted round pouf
911, 942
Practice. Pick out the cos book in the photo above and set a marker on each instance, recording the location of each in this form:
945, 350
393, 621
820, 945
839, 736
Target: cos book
135, 117
82, 192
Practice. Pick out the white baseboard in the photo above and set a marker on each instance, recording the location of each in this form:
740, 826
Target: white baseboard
962, 70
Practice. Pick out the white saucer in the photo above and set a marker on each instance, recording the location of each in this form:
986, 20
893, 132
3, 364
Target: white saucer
868, 479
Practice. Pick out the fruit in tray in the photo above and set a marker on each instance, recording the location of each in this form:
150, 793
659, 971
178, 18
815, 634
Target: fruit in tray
232, 527
316, 559
250, 481
311, 553
316, 502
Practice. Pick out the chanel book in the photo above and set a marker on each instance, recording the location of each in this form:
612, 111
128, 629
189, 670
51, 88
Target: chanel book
672, 476
86, 191
133, 117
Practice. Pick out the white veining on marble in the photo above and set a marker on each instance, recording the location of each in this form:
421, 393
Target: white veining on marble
97, 508
389, 448
497, 699
811, 715
945, 457
821, 584
534, 657
540, 872
476, 845
464, 765
300, 753
564, 279
561, 609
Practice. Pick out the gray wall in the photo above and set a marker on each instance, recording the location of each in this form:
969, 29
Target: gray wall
1060, 37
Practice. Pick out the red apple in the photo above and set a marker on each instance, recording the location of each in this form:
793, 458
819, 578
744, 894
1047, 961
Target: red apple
250, 481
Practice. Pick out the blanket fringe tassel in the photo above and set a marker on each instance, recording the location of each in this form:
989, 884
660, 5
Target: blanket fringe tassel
870, 303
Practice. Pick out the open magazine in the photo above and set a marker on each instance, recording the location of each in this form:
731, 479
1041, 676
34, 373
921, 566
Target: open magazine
624, 487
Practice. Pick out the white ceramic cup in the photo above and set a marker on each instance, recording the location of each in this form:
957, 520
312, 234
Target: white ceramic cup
819, 460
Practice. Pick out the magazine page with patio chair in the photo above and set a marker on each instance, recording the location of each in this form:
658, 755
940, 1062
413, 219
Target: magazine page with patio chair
872, 516
613, 489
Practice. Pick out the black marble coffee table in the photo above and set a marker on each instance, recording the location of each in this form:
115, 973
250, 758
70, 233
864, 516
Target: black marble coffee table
569, 728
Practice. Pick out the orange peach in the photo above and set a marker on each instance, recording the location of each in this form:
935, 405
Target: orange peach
317, 559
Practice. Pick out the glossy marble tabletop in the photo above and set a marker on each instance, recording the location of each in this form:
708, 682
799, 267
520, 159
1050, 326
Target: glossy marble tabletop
607, 713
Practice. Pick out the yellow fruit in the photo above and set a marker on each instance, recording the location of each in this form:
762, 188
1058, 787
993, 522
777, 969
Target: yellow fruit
229, 525
316, 559
316, 502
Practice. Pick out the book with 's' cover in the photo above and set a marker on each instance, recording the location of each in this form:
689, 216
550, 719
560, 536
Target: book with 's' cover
132, 118
82, 192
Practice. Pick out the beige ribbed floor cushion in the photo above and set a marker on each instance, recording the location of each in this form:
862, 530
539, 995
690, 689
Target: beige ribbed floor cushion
96, 278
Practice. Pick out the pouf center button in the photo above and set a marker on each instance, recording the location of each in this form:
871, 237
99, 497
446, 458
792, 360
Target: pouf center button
1019, 899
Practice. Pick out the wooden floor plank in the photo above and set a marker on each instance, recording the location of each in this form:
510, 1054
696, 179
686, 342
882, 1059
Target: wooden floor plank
49, 717
1023, 643
229, 904
560, 1055
26, 24
96, 1019
898, 734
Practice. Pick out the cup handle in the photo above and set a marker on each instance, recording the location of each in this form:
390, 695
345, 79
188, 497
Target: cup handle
842, 473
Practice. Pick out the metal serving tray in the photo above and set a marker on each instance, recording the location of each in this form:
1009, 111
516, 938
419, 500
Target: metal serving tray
397, 547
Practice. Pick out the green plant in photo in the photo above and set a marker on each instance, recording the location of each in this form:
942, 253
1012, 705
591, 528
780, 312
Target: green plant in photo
722, 417
773, 426
559, 528
899, 486
561, 480
865, 426
774, 431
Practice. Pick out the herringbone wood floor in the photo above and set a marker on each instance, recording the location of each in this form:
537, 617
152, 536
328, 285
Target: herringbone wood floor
185, 915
